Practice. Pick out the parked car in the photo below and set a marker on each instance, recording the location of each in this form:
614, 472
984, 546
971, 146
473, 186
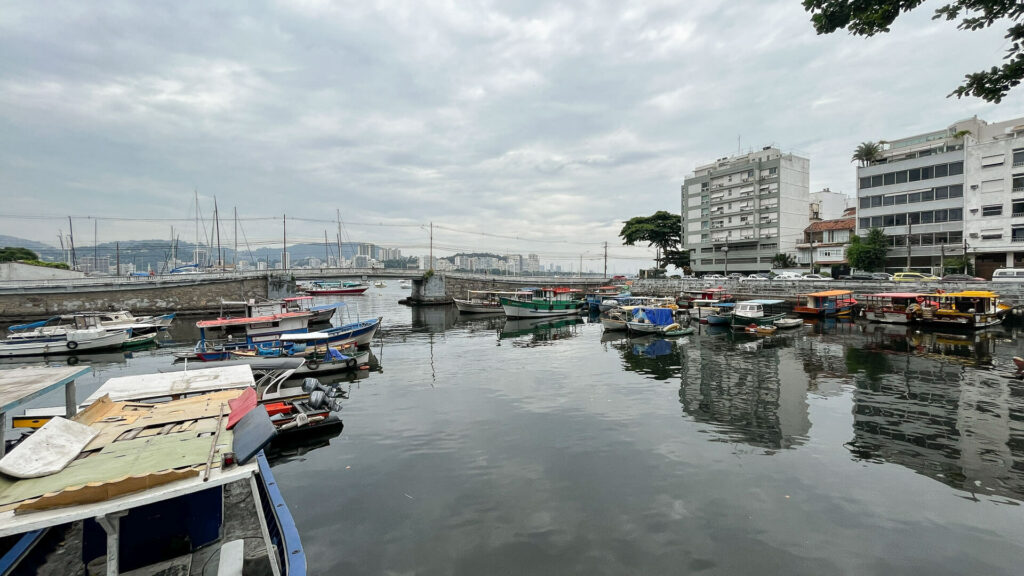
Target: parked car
914, 277
735, 276
1008, 275
713, 277
816, 278
961, 278
787, 276
858, 276
758, 277
883, 276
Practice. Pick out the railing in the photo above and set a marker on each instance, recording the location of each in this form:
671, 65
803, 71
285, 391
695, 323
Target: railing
1018, 214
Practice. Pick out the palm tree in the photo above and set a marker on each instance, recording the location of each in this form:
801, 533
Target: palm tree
784, 261
866, 153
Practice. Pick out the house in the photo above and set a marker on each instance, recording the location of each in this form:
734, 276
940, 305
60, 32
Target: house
824, 242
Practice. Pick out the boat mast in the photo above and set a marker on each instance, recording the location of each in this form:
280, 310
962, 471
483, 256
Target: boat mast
216, 223
234, 255
71, 240
327, 249
284, 243
338, 213
195, 248
95, 245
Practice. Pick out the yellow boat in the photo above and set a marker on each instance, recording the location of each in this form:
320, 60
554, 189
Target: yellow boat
968, 309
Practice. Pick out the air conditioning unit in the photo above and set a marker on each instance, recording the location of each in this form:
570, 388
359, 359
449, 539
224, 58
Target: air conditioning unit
974, 235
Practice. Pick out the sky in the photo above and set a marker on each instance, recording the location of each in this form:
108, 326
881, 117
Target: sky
515, 127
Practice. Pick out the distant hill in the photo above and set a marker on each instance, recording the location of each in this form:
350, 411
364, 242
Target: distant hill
37, 247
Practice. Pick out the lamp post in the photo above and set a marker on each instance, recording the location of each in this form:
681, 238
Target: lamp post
811, 271
725, 250
965, 254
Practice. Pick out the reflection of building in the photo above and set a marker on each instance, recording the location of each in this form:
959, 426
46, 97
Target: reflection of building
754, 398
959, 427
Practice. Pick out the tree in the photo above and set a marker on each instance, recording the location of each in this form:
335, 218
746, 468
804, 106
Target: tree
661, 229
870, 17
8, 254
866, 153
868, 254
783, 261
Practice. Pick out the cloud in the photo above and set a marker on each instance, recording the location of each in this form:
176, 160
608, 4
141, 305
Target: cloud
530, 120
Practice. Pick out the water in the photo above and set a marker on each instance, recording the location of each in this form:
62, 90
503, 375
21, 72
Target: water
838, 448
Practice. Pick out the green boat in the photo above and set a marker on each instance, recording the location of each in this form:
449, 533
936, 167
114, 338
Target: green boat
757, 312
559, 301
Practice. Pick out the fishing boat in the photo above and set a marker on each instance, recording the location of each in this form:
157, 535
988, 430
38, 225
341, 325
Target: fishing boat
762, 312
86, 335
616, 318
968, 309
560, 301
651, 321
679, 331
331, 288
123, 488
892, 307
218, 337
488, 301
594, 297
721, 314
786, 323
826, 303
321, 355
256, 308
704, 301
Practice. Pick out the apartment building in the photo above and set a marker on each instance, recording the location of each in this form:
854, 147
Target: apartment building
738, 212
828, 205
947, 193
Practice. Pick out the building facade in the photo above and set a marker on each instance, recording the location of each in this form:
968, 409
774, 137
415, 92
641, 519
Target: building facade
947, 193
739, 212
824, 243
828, 205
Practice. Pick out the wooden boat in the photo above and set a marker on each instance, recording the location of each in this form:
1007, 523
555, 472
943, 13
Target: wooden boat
113, 321
971, 309
140, 340
825, 303
760, 330
560, 301
181, 462
788, 323
761, 312
651, 321
321, 356
892, 307
721, 314
594, 298
704, 301
679, 332
488, 301
616, 318
331, 288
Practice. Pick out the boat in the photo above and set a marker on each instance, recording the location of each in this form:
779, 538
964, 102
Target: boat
405, 284
892, 307
762, 312
140, 341
87, 335
560, 301
594, 297
825, 303
320, 354
329, 288
380, 284
679, 332
651, 321
760, 329
788, 323
972, 309
704, 301
147, 489
721, 314
616, 318
116, 320
488, 301
266, 331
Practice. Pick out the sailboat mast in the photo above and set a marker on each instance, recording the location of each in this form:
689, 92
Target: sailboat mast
327, 249
338, 213
71, 240
234, 256
284, 243
216, 231
195, 249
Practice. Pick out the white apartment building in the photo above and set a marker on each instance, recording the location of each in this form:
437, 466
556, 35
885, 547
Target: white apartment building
828, 205
948, 193
739, 212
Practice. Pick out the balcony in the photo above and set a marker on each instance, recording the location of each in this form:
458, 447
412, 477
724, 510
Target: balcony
1018, 163
1018, 214
1016, 239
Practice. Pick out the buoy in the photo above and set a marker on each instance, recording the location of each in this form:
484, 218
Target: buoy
364, 367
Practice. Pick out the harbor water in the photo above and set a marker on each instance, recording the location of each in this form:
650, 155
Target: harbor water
476, 446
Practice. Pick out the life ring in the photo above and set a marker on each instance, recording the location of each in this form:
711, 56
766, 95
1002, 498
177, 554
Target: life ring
913, 308
73, 360
312, 364
351, 363
72, 344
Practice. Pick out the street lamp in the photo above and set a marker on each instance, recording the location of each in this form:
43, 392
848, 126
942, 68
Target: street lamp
725, 250
966, 246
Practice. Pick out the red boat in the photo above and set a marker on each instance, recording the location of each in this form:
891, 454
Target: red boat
325, 288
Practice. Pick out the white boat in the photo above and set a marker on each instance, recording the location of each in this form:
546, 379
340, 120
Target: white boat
651, 320
405, 284
67, 341
380, 284
789, 323
488, 301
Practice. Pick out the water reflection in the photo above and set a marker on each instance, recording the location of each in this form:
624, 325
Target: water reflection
538, 331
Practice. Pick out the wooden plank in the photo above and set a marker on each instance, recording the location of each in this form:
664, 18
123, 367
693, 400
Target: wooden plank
48, 450
19, 385
158, 385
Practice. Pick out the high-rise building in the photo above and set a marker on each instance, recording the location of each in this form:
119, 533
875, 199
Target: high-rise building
739, 212
952, 192
533, 263
828, 205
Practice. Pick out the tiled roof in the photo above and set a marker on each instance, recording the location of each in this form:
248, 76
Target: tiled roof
838, 224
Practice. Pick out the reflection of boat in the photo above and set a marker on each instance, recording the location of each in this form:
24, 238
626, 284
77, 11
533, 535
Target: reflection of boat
559, 301
789, 323
826, 303
652, 348
543, 329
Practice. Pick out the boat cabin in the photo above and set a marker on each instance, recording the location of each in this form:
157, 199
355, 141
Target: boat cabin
892, 307
826, 303
559, 294
761, 312
968, 309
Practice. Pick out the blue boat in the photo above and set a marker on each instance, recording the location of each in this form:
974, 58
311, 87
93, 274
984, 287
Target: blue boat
266, 331
722, 314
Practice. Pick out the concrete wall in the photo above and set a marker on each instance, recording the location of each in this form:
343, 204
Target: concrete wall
19, 271
205, 296
457, 285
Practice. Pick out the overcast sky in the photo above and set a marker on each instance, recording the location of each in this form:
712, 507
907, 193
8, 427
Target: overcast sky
548, 122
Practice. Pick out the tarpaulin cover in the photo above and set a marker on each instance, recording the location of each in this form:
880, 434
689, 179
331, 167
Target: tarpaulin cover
656, 316
241, 406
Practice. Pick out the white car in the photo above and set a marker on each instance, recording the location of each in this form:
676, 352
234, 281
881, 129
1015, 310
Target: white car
816, 278
714, 277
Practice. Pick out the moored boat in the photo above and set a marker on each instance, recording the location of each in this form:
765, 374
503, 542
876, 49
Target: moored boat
488, 301
825, 303
651, 320
560, 301
87, 335
788, 323
971, 309
721, 314
762, 312
594, 297
892, 307
330, 288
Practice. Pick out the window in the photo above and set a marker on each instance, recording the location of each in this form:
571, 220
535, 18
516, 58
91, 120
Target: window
865, 223
889, 220
876, 221
1018, 208
927, 217
889, 178
993, 210
914, 175
926, 173
876, 180
956, 214
914, 197
927, 195
941, 170
956, 237
956, 191
901, 199
914, 217
865, 182
989, 161
941, 215
865, 202
888, 200
1018, 182
941, 193
876, 201
899, 219
926, 240
1018, 157
956, 168
901, 177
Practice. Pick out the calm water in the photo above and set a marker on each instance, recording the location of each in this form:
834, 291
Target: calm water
480, 448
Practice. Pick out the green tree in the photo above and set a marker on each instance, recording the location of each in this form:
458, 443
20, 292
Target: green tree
866, 153
868, 254
783, 261
870, 17
662, 229
8, 254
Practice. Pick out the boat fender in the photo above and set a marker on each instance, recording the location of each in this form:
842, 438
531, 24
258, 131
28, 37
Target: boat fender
72, 344
312, 364
671, 327
351, 363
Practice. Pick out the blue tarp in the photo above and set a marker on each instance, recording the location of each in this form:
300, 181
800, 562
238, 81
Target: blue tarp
656, 316
38, 324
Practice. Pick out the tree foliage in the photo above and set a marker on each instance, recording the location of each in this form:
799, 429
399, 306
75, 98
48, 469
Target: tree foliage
781, 260
868, 254
662, 229
870, 17
866, 153
8, 254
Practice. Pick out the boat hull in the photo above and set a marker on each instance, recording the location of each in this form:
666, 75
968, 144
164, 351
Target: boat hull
740, 321
718, 319
330, 291
468, 307
887, 317
611, 324
517, 309
104, 341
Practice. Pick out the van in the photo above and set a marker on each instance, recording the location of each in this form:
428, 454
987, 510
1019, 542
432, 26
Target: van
1008, 275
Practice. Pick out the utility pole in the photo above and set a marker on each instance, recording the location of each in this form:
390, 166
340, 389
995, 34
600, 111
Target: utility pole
606, 259
117, 247
195, 249
327, 250
909, 225
284, 242
580, 275
234, 255
431, 263
338, 213
942, 258
63, 251
96, 246
216, 221
965, 254
71, 240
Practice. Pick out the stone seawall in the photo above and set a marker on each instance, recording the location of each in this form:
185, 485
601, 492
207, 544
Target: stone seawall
458, 285
201, 296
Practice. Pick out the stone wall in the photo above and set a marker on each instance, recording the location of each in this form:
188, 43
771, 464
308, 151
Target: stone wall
457, 285
183, 298
19, 271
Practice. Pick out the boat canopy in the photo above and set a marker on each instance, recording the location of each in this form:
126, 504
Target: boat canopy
32, 325
295, 298
656, 316
828, 293
965, 294
767, 302
199, 381
305, 336
894, 295
242, 321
